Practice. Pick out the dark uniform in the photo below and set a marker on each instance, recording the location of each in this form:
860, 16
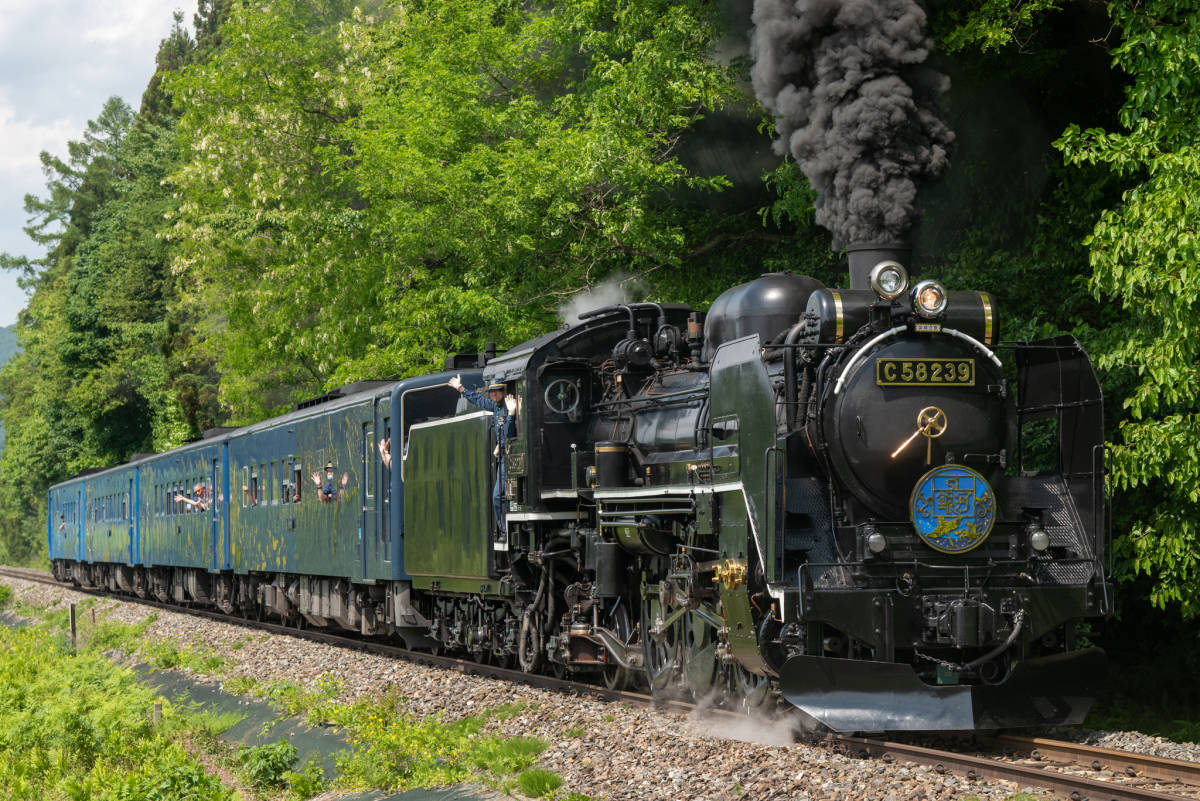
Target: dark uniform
504, 426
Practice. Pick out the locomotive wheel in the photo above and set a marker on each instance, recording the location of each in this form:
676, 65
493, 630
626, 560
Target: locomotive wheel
700, 654
750, 690
661, 651
615, 676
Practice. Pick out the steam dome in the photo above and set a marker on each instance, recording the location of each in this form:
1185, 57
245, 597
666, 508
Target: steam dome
765, 306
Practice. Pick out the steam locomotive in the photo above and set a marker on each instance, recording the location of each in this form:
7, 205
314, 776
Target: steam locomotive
844, 497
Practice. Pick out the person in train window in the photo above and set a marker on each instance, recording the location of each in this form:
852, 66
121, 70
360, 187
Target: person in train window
504, 423
385, 452
330, 491
200, 503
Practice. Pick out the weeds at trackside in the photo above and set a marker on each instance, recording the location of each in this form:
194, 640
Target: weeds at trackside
115, 753
78, 726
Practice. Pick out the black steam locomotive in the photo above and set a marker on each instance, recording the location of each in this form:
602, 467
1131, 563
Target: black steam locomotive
829, 494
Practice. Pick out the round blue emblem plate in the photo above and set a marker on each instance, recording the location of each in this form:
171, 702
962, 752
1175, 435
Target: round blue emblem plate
953, 508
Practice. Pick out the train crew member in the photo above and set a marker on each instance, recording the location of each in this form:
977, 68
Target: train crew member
504, 423
329, 491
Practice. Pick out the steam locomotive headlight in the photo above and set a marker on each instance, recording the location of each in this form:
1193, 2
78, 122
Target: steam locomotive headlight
1039, 540
888, 279
929, 299
876, 542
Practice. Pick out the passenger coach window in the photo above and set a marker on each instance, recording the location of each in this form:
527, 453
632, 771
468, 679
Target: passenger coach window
370, 456
297, 481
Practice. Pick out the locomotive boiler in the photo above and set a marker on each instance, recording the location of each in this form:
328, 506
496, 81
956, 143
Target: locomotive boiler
858, 500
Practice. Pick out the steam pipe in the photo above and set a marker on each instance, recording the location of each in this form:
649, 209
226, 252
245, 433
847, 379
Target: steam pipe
587, 315
789, 375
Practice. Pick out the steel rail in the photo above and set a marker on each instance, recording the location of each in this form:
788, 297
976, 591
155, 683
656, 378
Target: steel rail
1067, 785
1173, 771
1121, 765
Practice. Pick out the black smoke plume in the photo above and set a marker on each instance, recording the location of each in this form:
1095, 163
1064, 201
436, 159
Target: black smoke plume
854, 106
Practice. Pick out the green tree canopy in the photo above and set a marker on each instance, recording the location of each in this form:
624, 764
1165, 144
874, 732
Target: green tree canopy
369, 190
1145, 253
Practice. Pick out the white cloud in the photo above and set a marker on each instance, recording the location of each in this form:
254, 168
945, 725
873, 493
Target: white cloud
21, 140
60, 60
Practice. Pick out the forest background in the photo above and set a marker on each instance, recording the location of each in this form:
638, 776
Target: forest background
313, 192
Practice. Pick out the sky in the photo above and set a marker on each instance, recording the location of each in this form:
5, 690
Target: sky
59, 61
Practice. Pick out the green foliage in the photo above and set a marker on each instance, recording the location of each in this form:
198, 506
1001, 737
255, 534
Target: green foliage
109, 635
991, 24
310, 781
241, 685
168, 654
268, 765
287, 696
368, 191
6, 594
77, 726
537, 782
1144, 253
391, 749
205, 722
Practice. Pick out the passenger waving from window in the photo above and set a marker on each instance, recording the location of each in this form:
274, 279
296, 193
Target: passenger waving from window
330, 490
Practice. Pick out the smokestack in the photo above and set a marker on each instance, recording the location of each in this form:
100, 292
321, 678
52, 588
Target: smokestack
855, 106
864, 256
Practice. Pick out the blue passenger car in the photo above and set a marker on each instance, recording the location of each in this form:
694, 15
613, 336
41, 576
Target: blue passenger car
298, 515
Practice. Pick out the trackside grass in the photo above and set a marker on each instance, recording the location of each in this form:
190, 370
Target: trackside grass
76, 726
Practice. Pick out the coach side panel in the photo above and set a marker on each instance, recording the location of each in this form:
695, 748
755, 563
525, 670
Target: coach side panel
64, 525
177, 493
110, 531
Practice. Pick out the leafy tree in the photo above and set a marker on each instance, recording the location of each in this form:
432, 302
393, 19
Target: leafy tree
1144, 252
95, 381
371, 189
992, 25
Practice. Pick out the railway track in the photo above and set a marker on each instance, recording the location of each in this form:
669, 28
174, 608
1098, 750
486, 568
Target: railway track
1071, 770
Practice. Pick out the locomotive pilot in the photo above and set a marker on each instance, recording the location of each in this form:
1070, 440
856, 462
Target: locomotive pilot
504, 424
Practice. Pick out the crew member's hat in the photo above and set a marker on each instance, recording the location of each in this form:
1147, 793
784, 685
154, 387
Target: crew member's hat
497, 385
329, 465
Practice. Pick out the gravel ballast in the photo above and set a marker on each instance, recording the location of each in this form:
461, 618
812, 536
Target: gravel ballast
622, 753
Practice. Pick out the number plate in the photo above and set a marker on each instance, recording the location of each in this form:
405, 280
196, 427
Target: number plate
925, 372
